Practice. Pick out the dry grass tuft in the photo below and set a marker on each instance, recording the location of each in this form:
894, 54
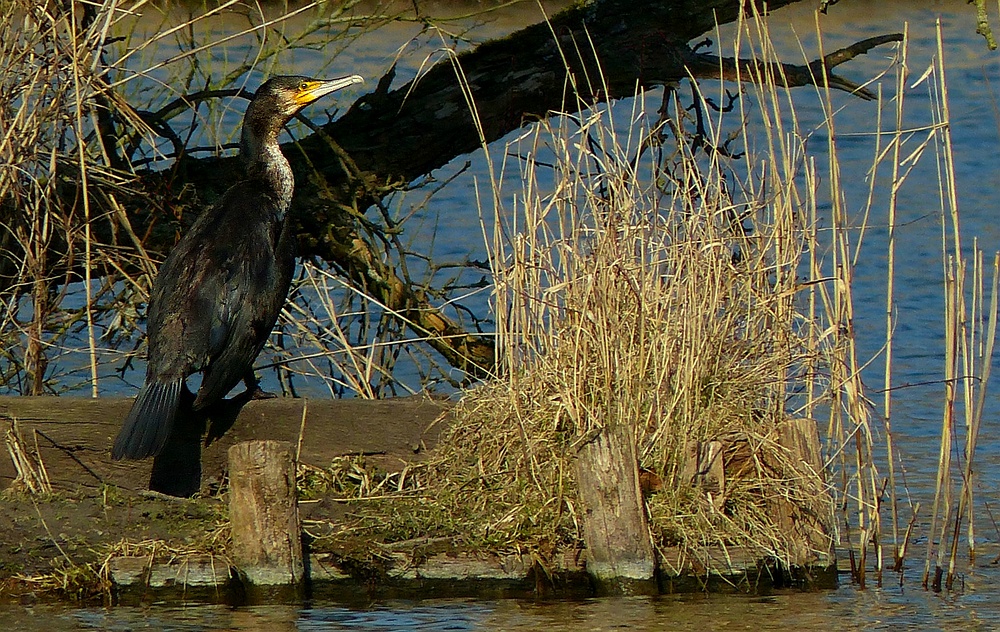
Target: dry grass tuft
32, 478
649, 277
635, 289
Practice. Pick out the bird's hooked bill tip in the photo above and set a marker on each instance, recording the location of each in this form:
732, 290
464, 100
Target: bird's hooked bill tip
317, 89
350, 79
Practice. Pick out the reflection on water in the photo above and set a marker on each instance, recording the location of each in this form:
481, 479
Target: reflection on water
842, 609
444, 616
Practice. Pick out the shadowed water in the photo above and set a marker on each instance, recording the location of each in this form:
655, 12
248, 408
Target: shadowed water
843, 609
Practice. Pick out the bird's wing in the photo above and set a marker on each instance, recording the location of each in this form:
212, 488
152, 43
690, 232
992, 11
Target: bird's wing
179, 325
251, 301
234, 336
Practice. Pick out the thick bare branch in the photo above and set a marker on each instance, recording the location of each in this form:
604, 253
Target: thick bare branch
792, 75
604, 50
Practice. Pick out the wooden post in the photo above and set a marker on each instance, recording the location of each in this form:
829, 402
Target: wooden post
620, 556
809, 523
264, 513
704, 470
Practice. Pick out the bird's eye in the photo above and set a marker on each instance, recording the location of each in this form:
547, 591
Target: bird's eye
304, 86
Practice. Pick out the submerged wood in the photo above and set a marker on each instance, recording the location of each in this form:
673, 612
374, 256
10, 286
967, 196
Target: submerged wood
468, 573
264, 513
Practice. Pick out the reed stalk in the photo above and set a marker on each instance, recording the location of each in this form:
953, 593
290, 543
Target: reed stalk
896, 182
970, 329
31, 475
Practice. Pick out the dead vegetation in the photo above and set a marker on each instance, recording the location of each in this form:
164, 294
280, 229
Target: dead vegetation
647, 284
669, 274
646, 277
32, 478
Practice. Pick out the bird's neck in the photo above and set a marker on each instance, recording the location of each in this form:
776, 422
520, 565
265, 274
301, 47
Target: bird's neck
265, 164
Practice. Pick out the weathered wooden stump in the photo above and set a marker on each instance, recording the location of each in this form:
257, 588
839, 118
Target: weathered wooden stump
620, 556
808, 522
803, 515
704, 470
264, 513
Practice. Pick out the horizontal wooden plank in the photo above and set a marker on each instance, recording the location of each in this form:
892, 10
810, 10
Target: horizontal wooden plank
74, 434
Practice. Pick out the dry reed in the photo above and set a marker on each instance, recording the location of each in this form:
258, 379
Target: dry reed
648, 278
31, 476
970, 317
646, 283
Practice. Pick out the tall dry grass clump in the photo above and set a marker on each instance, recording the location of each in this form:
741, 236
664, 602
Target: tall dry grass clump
48, 110
665, 274
634, 289
646, 279
650, 278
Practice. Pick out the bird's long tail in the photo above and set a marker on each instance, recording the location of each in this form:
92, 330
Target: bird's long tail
148, 424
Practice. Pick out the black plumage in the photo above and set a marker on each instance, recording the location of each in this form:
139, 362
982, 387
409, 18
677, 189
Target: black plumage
220, 290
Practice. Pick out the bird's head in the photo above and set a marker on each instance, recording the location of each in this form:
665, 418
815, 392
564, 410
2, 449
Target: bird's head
280, 98
292, 93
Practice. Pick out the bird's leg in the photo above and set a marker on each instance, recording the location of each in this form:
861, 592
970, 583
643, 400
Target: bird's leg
254, 390
177, 469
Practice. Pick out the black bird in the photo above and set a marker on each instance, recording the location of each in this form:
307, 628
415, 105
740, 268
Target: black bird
220, 290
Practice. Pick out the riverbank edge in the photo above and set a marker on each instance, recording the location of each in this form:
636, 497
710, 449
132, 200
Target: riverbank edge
478, 575
94, 495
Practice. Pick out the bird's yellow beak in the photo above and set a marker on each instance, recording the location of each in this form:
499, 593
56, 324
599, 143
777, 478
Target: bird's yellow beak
309, 91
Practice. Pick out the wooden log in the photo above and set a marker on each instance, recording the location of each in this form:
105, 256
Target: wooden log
704, 470
807, 521
469, 574
264, 513
74, 436
620, 555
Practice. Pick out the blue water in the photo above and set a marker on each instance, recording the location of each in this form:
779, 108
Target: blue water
844, 609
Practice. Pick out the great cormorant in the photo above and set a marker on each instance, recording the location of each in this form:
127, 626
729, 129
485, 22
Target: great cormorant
218, 294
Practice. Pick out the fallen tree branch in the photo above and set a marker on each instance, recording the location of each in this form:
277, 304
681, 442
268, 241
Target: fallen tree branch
604, 50
816, 73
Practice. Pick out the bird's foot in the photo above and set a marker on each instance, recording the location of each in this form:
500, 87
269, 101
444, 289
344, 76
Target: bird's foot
254, 391
258, 393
